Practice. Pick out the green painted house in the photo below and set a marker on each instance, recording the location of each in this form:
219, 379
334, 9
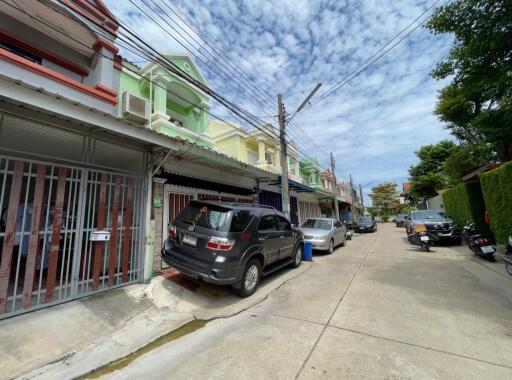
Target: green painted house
172, 106
310, 172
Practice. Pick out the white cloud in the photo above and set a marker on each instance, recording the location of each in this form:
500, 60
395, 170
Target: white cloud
374, 123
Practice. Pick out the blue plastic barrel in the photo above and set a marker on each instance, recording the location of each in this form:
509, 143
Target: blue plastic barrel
307, 254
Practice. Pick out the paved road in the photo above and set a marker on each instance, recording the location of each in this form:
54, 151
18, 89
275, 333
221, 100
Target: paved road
378, 308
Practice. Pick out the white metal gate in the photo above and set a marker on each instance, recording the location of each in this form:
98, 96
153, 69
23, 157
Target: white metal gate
48, 214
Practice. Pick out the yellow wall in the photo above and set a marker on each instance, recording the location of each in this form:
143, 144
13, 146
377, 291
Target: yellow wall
230, 146
217, 127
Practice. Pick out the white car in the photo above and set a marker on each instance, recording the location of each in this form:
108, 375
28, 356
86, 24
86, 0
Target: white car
324, 233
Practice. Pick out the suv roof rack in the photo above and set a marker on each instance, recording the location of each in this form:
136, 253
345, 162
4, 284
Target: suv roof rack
240, 204
252, 205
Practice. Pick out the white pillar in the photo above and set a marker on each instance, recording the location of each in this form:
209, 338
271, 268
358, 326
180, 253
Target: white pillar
261, 153
150, 226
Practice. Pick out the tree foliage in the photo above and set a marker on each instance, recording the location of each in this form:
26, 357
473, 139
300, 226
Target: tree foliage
477, 105
385, 199
429, 176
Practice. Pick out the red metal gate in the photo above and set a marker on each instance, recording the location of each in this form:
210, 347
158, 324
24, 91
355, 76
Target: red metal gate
47, 216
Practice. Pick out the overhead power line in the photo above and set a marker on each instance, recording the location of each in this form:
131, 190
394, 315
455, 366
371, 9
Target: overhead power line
140, 47
306, 142
57, 29
187, 40
364, 66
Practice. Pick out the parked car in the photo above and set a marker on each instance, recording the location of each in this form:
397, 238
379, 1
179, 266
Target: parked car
365, 224
233, 244
436, 222
324, 233
400, 220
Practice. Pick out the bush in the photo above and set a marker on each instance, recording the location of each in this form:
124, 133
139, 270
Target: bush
497, 192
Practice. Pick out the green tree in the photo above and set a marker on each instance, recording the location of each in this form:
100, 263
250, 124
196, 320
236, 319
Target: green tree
385, 199
429, 176
466, 159
477, 105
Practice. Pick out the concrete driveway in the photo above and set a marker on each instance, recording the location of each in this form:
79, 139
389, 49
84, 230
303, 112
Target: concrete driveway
377, 308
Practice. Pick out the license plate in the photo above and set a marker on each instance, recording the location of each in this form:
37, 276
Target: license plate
487, 249
190, 240
424, 238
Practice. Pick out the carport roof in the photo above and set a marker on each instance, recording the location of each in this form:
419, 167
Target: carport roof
153, 141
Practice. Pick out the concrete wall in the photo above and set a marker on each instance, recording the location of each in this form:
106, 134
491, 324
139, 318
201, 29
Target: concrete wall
230, 146
100, 67
435, 203
13, 71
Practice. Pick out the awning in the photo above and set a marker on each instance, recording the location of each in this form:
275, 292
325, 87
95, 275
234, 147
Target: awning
180, 180
295, 186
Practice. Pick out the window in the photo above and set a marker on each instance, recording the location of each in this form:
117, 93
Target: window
428, 214
337, 225
267, 223
283, 224
20, 52
240, 220
322, 224
177, 122
252, 156
206, 216
269, 157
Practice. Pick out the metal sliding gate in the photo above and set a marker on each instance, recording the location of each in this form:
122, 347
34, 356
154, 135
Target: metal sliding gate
66, 232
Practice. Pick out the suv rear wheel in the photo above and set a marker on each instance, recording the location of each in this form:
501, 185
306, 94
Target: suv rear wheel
250, 279
297, 257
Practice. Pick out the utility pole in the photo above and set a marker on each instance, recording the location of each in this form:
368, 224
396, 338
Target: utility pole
352, 199
285, 193
362, 201
335, 200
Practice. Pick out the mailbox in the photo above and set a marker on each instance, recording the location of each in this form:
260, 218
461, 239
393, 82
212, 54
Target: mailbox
100, 236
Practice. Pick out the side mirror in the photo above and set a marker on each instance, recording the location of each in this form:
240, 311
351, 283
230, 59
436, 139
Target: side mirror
294, 226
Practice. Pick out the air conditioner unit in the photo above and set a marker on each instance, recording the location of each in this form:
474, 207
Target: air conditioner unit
135, 108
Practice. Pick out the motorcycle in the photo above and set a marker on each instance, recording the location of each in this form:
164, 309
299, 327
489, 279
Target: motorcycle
508, 256
478, 243
467, 230
420, 236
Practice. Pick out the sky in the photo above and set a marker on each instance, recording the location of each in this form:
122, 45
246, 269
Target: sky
373, 124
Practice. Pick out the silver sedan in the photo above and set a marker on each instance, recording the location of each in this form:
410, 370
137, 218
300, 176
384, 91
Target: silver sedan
324, 233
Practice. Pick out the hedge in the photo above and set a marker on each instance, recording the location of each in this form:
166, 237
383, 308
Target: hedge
464, 203
456, 204
497, 191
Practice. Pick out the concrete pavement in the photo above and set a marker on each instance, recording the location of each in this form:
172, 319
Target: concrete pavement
71, 339
378, 308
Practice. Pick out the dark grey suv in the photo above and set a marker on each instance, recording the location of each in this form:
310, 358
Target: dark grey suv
234, 244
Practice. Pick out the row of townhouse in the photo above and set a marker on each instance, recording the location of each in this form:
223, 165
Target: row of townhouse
98, 155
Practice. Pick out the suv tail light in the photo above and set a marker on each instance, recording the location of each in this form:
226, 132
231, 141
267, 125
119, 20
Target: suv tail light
220, 244
172, 231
